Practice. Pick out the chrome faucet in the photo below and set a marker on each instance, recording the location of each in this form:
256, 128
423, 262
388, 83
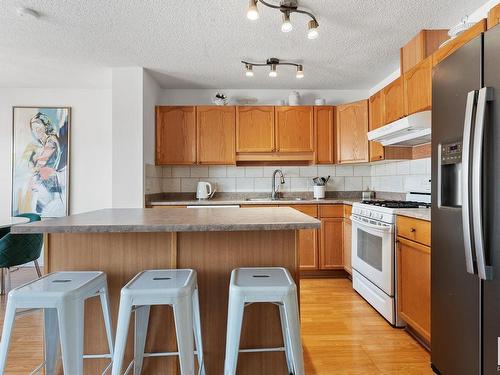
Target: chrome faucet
274, 192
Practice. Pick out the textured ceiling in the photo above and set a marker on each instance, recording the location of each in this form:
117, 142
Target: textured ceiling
199, 43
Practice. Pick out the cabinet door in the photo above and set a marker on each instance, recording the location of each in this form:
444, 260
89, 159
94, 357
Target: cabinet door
175, 135
493, 16
308, 240
324, 121
331, 250
294, 129
376, 112
347, 245
216, 126
352, 126
255, 129
418, 87
394, 108
414, 286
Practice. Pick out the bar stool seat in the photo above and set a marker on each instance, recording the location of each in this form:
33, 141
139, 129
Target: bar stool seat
264, 285
62, 296
177, 288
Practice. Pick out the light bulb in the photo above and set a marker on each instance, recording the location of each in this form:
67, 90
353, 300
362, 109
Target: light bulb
312, 30
300, 72
253, 11
286, 26
273, 73
249, 70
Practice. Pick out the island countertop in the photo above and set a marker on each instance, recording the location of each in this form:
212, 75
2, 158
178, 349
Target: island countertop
225, 219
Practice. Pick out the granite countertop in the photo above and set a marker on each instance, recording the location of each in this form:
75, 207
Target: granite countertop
174, 220
415, 213
189, 199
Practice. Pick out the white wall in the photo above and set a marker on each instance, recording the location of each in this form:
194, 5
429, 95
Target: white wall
271, 97
90, 149
128, 144
151, 95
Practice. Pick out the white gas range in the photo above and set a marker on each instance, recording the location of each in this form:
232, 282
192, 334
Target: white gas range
373, 251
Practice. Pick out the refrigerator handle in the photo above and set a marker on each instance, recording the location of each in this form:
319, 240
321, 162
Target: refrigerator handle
485, 95
466, 147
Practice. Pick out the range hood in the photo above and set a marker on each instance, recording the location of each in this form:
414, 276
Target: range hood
409, 131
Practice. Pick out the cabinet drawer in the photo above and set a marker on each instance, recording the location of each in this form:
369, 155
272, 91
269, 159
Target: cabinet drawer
331, 210
414, 229
308, 209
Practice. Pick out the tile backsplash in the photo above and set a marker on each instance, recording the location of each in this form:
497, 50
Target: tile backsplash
391, 176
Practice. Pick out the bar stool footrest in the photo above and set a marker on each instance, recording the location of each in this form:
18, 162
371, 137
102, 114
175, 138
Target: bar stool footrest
262, 350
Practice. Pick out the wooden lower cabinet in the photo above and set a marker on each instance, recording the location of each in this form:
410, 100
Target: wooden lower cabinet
308, 240
414, 286
331, 255
308, 249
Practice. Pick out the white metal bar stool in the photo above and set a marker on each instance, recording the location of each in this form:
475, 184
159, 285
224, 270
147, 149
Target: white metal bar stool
274, 285
177, 288
62, 296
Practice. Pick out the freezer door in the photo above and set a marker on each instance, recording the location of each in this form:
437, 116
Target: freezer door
455, 322
491, 204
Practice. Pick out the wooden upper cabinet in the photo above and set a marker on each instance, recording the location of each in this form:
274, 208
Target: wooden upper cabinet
420, 47
376, 110
352, 126
255, 129
324, 122
175, 135
458, 42
494, 16
216, 128
394, 101
294, 129
418, 87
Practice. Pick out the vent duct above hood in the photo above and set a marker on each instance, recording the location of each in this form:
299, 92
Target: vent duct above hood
409, 131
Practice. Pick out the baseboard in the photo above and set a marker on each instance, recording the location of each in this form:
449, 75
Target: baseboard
317, 274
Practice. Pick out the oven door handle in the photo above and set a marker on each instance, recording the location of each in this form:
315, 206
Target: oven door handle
385, 228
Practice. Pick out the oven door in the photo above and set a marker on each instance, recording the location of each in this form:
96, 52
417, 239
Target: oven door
373, 251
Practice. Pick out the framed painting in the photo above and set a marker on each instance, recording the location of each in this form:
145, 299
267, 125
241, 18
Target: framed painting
40, 162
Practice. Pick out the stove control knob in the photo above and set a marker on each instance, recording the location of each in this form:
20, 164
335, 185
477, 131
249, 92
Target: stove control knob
380, 216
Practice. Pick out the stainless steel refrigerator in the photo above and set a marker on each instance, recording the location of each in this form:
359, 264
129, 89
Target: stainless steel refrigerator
465, 276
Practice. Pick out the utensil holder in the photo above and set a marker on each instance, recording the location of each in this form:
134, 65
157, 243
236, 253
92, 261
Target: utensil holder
319, 192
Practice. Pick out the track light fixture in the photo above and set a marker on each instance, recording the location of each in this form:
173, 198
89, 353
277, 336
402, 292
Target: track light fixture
286, 7
272, 63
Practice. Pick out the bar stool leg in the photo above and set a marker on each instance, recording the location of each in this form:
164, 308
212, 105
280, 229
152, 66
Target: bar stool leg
106, 314
286, 343
141, 331
8, 325
234, 322
293, 326
183, 316
51, 340
197, 331
124, 312
70, 316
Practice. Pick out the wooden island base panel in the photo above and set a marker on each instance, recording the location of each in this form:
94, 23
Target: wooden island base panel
213, 254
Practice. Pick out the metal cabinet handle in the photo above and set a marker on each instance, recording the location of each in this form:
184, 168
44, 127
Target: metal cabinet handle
466, 146
485, 95
413, 230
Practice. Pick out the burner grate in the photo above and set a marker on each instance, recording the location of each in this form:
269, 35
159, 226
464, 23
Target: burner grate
397, 204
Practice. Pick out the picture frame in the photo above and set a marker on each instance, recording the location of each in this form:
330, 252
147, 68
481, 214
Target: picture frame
41, 160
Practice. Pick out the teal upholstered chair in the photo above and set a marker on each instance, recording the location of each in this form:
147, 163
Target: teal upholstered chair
18, 249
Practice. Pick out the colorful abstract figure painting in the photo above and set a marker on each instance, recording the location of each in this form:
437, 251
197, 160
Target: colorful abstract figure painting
40, 166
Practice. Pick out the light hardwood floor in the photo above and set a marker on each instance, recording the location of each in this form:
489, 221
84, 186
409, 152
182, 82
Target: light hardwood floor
341, 333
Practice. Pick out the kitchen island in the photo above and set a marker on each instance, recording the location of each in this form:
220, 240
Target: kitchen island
213, 241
